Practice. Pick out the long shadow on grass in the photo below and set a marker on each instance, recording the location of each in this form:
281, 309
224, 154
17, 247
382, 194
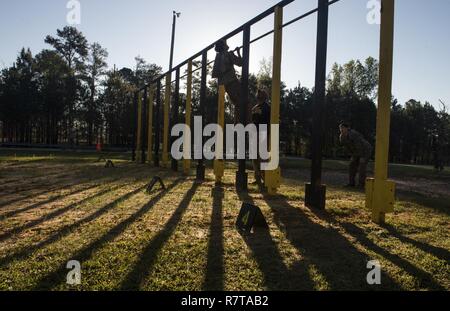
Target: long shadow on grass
214, 268
59, 188
441, 204
66, 230
31, 195
54, 199
32, 184
148, 257
340, 263
425, 279
438, 252
277, 276
53, 214
7, 182
56, 277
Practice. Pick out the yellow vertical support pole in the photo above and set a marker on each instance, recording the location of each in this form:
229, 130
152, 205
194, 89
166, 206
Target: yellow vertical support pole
219, 164
187, 141
272, 179
379, 191
139, 131
165, 155
150, 124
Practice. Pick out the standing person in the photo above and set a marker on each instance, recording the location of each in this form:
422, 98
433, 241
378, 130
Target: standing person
360, 151
260, 115
225, 73
436, 147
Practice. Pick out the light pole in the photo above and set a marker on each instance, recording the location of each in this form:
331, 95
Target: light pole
175, 16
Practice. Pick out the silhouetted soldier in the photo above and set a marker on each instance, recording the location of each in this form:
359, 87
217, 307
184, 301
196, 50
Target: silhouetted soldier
436, 147
224, 71
260, 115
360, 150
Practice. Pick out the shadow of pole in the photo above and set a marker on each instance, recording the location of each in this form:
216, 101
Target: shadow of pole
66, 230
425, 279
77, 172
56, 277
31, 195
7, 183
214, 278
440, 205
340, 263
56, 198
54, 214
277, 276
148, 257
58, 188
438, 252
31, 184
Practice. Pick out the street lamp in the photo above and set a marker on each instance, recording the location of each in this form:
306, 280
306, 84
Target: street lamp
175, 16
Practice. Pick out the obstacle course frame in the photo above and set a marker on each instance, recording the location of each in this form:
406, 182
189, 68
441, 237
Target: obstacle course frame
379, 191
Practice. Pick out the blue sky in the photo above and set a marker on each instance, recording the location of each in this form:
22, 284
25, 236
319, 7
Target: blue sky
143, 27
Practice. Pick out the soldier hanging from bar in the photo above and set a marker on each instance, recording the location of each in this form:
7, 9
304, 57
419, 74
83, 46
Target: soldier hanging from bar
225, 73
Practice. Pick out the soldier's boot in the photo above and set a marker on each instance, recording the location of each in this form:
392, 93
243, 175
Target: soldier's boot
353, 170
362, 173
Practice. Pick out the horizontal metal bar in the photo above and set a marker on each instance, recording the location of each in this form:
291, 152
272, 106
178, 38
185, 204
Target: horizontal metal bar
307, 14
239, 29
300, 17
291, 22
229, 35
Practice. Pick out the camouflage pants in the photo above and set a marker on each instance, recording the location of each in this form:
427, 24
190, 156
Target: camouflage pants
233, 90
259, 174
358, 164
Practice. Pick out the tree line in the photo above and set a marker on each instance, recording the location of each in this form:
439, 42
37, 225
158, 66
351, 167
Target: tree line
67, 95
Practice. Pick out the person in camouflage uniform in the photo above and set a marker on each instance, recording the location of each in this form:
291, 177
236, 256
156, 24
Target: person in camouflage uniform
437, 154
260, 115
360, 150
225, 73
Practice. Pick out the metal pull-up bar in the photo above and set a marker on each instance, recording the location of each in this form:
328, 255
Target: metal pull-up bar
292, 21
379, 191
273, 179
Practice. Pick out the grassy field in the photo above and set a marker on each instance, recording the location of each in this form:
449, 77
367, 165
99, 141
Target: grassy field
66, 206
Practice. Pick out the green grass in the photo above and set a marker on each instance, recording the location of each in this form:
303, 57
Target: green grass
69, 207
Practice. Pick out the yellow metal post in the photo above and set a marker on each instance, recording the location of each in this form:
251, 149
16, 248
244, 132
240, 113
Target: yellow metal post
150, 125
219, 164
139, 131
165, 155
187, 141
272, 179
379, 191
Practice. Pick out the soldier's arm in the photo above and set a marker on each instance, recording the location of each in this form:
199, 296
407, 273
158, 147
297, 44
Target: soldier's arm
237, 60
